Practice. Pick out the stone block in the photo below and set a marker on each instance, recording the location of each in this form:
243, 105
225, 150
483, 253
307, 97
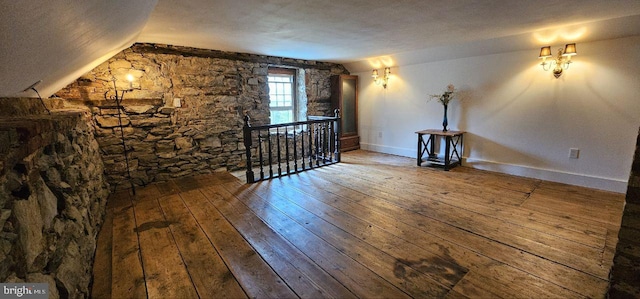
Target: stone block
160, 115
261, 71
111, 122
4, 216
48, 203
48, 279
29, 225
634, 181
172, 136
110, 111
151, 138
188, 166
147, 159
150, 122
211, 142
164, 146
141, 109
167, 110
167, 155
161, 131
113, 149
630, 220
112, 139
631, 250
183, 144
120, 64
73, 275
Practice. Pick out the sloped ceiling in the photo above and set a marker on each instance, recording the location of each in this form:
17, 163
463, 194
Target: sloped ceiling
57, 41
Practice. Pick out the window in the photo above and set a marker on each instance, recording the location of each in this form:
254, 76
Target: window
282, 95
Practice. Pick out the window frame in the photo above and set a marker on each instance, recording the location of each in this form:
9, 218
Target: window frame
294, 91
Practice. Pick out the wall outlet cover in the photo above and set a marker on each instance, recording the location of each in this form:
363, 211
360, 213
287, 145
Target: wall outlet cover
574, 153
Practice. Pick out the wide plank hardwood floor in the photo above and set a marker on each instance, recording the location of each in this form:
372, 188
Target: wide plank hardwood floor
373, 226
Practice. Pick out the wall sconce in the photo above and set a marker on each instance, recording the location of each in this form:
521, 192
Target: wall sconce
562, 60
381, 81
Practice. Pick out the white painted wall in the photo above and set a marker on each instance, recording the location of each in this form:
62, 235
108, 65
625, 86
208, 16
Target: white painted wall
519, 118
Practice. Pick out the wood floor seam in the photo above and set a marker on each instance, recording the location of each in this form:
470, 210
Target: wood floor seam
372, 226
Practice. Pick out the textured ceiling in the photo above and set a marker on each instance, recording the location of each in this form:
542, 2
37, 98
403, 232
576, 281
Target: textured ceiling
55, 42
354, 30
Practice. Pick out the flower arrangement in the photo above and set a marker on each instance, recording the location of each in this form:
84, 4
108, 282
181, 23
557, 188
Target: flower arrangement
445, 97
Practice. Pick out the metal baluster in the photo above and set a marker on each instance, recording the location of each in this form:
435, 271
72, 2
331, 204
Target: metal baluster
325, 142
317, 132
247, 144
321, 142
270, 154
278, 142
302, 145
295, 151
330, 141
311, 145
260, 154
286, 147
337, 135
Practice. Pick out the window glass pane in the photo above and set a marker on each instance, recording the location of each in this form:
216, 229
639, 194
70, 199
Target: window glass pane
284, 116
281, 97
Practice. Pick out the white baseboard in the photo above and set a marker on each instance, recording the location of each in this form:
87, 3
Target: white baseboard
608, 184
398, 151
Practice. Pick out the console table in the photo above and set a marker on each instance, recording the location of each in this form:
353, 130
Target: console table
452, 149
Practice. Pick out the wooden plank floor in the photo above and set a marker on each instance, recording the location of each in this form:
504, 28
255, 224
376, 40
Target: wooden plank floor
373, 226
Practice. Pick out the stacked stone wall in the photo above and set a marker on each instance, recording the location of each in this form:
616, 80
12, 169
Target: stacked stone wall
52, 197
202, 131
625, 274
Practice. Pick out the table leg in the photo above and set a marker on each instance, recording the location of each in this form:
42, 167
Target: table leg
432, 146
419, 149
447, 149
461, 149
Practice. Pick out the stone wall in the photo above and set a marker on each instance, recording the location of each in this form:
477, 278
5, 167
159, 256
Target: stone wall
625, 275
204, 134
52, 197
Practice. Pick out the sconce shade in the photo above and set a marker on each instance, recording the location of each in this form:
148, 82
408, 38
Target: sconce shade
560, 62
569, 50
546, 52
381, 81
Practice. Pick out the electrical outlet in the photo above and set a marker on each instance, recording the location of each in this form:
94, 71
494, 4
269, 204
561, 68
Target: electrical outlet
380, 134
574, 153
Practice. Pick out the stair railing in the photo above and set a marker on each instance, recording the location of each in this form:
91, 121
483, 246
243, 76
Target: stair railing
283, 149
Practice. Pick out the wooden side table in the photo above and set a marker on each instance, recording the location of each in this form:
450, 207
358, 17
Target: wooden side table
452, 149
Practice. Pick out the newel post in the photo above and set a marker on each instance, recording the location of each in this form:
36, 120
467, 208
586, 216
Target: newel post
337, 135
246, 130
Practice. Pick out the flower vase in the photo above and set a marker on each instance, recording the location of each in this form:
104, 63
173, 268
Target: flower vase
444, 121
